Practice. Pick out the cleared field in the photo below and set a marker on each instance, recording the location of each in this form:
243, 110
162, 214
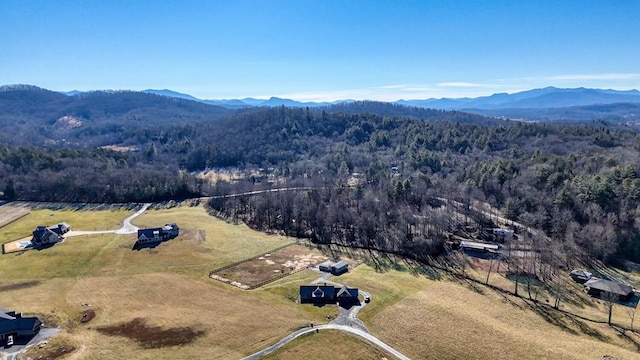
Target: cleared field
154, 295
452, 321
10, 213
269, 266
328, 344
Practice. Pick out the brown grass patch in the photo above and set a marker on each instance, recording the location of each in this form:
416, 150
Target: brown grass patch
270, 266
152, 337
19, 286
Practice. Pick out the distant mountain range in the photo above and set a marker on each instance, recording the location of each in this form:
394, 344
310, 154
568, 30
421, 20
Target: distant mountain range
549, 97
544, 104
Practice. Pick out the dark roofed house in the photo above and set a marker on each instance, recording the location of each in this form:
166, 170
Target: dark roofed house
347, 296
167, 232
317, 294
44, 236
602, 287
14, 326
340, 267
320, 295
60, 228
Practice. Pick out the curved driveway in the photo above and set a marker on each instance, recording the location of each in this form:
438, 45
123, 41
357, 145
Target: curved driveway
127, 227
346, 321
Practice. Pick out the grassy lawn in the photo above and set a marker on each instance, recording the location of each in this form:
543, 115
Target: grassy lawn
328, 344
451, 321
425, 317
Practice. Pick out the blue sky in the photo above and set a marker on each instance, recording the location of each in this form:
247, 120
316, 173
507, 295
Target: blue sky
320, 50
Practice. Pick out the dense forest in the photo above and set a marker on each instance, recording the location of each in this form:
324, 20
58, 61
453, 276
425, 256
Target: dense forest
367, 174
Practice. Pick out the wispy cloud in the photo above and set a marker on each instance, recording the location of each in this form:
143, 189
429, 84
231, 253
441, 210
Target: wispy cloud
592, 77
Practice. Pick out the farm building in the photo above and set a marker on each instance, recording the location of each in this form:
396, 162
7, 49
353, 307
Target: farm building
167, 232
580, 276
502, 234
325, 266
13, 326
479, 247
340, 267
602, 287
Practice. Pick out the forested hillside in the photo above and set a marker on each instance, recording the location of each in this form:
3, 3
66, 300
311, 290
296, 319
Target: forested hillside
375, 174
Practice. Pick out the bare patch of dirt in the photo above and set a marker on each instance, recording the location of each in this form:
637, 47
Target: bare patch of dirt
152, 337
271, 266
87, 315
19, 286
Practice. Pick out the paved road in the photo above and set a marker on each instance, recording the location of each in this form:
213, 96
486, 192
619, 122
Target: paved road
346, 321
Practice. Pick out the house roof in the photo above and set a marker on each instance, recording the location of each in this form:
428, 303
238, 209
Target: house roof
9, 324
609, 286
478, 246
340, 264
347, 292
581, 273
317, 291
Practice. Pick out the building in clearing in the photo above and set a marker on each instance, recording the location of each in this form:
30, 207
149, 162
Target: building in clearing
580, 276
167, 232
13, 326
603, 288
44, 236
325, 266
339, 268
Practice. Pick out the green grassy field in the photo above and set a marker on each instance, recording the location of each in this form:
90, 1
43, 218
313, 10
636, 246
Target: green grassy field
425, 316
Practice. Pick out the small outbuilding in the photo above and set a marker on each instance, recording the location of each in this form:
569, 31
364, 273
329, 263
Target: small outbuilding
325, 266
601, 288
580, 276
339, 268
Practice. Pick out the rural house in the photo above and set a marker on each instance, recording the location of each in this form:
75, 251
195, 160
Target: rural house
44, 236
320, 295
167, 232
317, 294
13, 326
347, 296
601, 288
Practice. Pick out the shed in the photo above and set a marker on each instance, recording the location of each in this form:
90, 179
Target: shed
325, 266
476, 246
580, 276
340, 267
601, 287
